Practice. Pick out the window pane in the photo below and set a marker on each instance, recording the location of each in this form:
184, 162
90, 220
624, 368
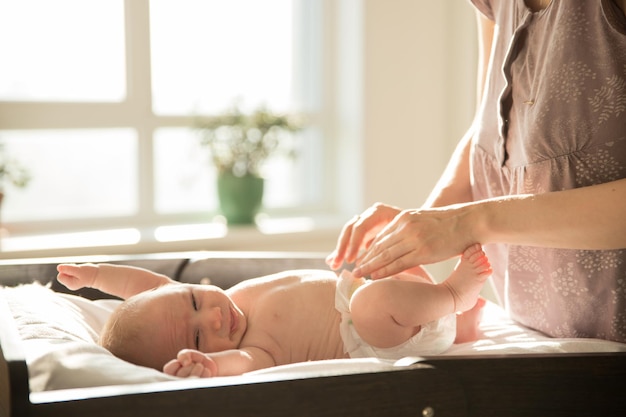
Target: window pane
207, 53
183, 178
75, 174
62, 50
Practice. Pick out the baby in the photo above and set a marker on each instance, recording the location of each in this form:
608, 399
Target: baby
294, 316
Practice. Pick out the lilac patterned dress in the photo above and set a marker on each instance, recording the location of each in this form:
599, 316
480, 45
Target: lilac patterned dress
554, 118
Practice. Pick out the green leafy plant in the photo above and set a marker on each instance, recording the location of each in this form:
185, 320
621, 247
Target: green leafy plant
241, 143
11, 171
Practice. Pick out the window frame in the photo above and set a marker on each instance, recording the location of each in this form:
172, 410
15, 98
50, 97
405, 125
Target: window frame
136, 112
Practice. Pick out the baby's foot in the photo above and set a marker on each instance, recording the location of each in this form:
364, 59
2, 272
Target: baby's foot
468, 278
468, 322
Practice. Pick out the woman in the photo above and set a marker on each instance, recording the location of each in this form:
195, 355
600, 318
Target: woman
540, 177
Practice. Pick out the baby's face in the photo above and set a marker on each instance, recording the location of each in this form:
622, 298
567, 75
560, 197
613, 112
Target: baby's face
201, 317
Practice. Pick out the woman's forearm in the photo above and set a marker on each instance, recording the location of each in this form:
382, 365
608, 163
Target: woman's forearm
454, 185
591, 217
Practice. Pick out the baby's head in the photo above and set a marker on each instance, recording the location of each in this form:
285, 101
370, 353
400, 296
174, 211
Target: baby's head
150, 328
124, 334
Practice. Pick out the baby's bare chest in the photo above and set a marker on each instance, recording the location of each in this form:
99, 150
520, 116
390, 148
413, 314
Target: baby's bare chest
297, 322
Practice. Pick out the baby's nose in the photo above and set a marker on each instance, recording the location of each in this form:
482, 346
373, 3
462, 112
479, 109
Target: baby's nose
215, 317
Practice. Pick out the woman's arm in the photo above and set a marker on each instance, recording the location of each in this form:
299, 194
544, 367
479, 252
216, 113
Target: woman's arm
581, 218
453, 186
118, 280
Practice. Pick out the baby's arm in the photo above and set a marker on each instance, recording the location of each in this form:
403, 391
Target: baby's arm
193, 363
119, 280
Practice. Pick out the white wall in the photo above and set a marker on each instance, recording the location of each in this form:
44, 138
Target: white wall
418, 91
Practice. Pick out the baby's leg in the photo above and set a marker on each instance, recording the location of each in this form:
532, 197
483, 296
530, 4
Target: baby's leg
468, 278
390, 311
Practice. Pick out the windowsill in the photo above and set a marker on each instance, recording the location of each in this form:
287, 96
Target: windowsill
301, 234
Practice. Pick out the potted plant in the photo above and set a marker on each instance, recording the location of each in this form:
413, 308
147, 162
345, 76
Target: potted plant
239, 145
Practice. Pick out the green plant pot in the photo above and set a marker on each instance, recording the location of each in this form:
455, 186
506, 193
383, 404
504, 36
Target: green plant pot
240, 197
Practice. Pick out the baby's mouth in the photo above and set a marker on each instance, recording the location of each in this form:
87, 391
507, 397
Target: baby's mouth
233, 322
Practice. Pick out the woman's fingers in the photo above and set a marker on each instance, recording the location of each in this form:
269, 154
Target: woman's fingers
414, 237
358, 232
386, 258
338, 256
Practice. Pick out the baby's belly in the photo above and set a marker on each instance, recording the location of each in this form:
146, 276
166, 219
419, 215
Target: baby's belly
306, 319
313, 341
308, 324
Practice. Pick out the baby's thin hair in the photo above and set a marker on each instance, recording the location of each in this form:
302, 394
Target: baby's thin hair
121, 333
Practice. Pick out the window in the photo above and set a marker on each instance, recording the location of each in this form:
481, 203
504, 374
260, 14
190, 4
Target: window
97, 100
51, 54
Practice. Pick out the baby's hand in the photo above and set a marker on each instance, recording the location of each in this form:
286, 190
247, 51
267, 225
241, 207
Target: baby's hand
75, 276
191, 363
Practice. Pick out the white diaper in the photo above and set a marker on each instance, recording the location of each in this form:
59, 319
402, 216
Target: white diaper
433, 338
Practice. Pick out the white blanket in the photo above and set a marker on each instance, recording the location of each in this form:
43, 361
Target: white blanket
59, 335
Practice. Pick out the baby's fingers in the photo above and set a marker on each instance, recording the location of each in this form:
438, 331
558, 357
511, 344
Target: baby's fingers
172, 367
199, 371
77, 276
188, 356
193, 363
192, 370
67, 276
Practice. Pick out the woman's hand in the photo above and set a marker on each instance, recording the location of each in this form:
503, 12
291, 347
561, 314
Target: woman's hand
359, 232
415, 237
586, 218
191, 363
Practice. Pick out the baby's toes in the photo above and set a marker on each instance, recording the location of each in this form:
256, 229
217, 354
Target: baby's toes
473, 252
